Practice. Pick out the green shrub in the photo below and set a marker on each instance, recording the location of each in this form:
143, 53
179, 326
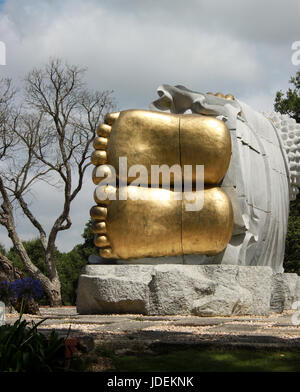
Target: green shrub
24, 349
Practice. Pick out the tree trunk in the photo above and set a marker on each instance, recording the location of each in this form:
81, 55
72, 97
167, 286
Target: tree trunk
53, 291
55, 299
8, 271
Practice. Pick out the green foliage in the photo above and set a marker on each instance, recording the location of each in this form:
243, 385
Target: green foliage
292, 245
35, 251
2, 249
289, 103
24, 349
68, 264
5, 292
87, 248
209, 360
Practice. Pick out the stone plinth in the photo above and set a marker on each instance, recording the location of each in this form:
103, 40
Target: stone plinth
202, 290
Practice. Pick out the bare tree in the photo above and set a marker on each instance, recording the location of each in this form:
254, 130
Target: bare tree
7, 94
54, 131
7, 115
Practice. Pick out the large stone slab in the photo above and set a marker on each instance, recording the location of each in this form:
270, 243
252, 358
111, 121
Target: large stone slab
202, 290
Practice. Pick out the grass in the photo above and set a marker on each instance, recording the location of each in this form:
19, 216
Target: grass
209, 360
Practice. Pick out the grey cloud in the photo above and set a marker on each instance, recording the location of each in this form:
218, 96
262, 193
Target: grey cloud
271, 21
132, 46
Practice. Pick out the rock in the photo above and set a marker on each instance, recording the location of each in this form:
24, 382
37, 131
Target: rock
113, 289
285, 291
202, 290
239, 290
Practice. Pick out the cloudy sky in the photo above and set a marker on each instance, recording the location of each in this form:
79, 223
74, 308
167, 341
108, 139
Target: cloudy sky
241, 47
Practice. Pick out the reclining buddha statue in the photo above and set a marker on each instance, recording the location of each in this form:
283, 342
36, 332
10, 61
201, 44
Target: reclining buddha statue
231, 174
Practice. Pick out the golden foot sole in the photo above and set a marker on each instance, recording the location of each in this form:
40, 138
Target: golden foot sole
161, 225
153, 138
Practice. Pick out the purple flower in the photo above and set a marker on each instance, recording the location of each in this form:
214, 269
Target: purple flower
27, 288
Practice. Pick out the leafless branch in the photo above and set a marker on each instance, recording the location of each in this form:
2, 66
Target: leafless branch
52, 134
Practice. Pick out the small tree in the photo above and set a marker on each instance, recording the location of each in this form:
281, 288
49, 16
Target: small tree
48, 139
289, 103
88, 247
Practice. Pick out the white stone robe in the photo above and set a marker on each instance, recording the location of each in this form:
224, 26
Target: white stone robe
257, 181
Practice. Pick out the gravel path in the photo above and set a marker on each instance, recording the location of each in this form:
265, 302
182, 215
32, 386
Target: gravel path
137, 332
